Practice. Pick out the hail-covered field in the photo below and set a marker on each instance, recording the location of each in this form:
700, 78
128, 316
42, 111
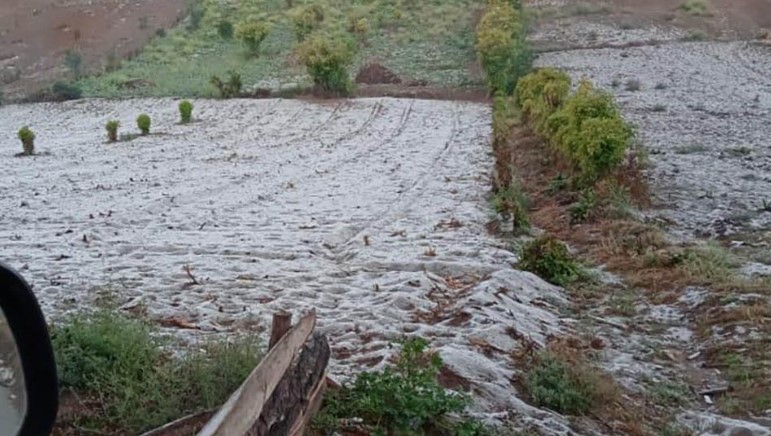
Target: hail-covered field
370, 211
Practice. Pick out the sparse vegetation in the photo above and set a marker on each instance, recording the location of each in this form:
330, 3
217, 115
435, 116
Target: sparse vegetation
327, 58
550, 259
252, 33
701, 8
143, 123
195, 13
185, 111
74, 61
402, 399
582, 209
306, 19
230, 88
129, 383
27, 138
112, 130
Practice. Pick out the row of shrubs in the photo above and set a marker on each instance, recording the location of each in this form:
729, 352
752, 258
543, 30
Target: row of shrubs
585, 126
27, 136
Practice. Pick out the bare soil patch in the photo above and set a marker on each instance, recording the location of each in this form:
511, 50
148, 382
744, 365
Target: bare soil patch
373, 73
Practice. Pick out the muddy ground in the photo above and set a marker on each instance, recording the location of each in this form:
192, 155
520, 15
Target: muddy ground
36, 34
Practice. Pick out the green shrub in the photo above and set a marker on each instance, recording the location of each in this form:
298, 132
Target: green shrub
501, 47
557, 384
404, 399
185, 111
590, 133
123, 363
74, 61
225, 29
27, 138
61, 91
230, 88
550, 259
112, 130
701, 8
581, 210
326, 58
143, 122
252, 33
195, 13
540, 94
306, 19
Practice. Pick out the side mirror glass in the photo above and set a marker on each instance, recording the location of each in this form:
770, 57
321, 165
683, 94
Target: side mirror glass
29, 391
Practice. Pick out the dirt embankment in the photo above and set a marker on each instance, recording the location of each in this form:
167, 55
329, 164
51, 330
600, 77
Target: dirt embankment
35, 35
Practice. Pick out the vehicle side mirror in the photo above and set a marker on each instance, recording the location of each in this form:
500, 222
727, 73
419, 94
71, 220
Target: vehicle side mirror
29, 387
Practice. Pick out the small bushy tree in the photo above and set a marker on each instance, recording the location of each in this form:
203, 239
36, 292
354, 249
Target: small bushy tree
500, 44
112, 130
185, 111
143, 122
252, 33
550, 259
27, 138
326, 58
306, 19
542, 93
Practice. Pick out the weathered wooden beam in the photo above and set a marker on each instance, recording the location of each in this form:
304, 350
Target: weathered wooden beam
239, 414
282, 322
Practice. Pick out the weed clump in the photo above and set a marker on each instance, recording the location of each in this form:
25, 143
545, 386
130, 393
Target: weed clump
327, 58
550, 259
27, 138
229, 88
112, 130
252, 33
61, 91
225, 29
143, 122
185, 111
306, 19
560, 385
74, 61
405, 398
139, 386
700, 8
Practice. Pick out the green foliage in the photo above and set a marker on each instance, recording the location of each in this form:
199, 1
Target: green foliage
112, 130
590, 133
121, 362
550, 259
27, 138
557, 384
61, 91
404, 399
701, 8
143, 122
512, 202
195, 13
501, 47
540, 94
306, 19
581, 210
230, 88
74, 61
252, 33
326, 58
185, 111
225, 29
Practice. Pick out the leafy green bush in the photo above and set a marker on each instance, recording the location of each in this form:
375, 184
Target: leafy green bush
143, 122
306, 19
501, 47
112, 130
61, 91
589, 131
405, 399
185, 111
225, 29
27, 138
230, 88
540, 94
550, 259
252, 33
556, 384
326, 58
139, 386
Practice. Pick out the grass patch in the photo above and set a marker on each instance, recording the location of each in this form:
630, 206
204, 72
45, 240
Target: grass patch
429, 42
699, 8
402, 399
123, 380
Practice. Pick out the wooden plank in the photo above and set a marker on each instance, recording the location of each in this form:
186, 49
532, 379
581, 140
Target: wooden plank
244, 407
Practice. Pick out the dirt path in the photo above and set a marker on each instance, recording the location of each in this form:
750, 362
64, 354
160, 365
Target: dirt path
36, 34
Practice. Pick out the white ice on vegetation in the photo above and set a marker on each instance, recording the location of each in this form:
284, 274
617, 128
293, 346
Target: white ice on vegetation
269, 203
